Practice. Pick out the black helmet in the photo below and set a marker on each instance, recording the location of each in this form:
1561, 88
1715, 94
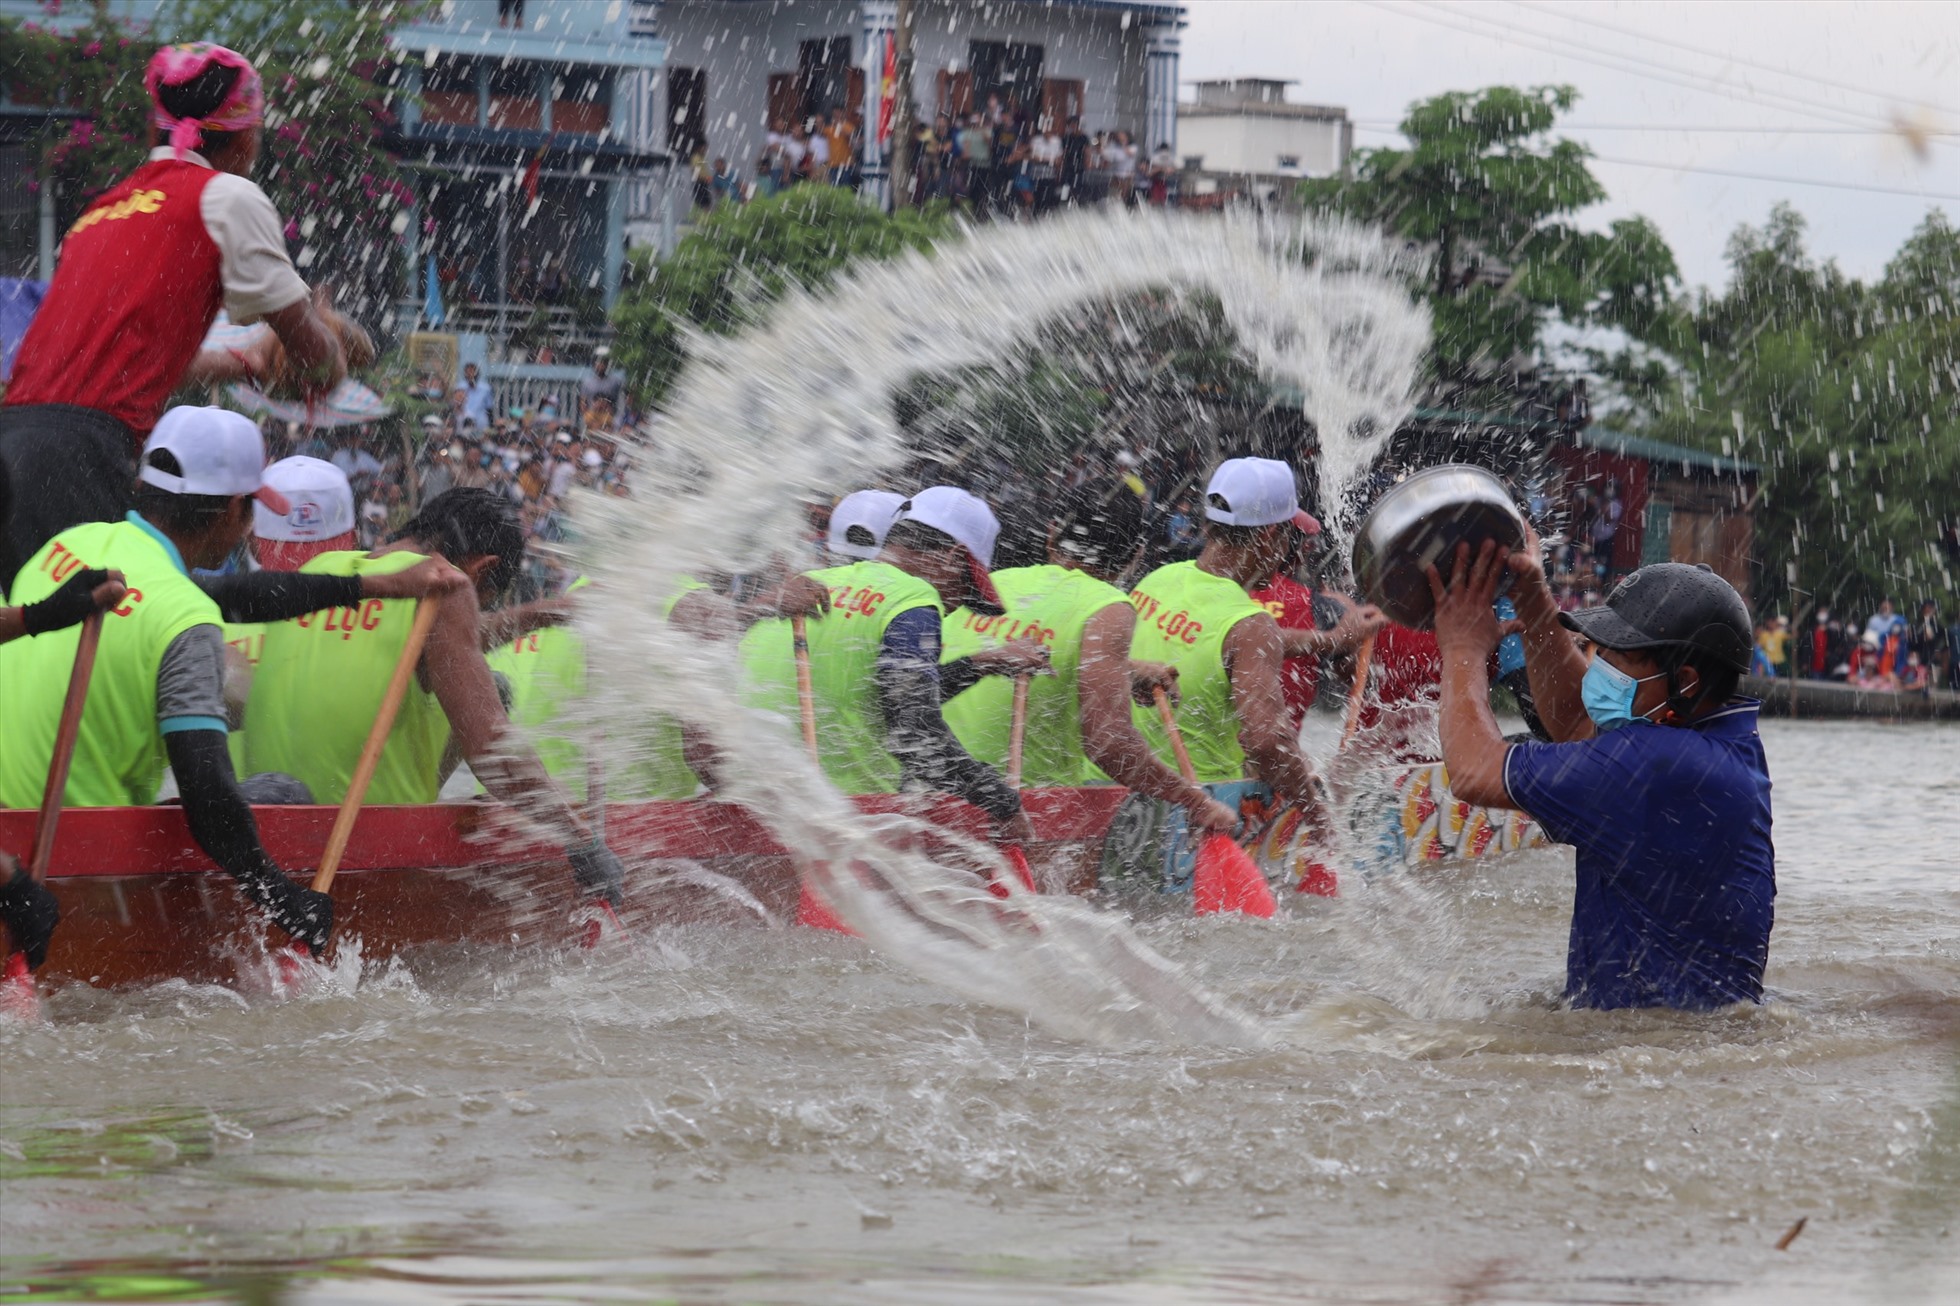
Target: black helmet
1671, 605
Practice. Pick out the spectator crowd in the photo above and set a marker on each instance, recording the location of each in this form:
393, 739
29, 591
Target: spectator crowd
1889, 651
533, 454
1002, 160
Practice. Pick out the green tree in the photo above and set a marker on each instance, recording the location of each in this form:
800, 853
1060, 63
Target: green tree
1483, 182
740, 259
1847, 395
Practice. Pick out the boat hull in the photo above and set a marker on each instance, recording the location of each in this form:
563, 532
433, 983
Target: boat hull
140, 902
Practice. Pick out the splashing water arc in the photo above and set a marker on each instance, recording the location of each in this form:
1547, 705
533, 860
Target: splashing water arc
800, 408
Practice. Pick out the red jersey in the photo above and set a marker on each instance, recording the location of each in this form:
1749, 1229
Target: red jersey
138, 286
1407, 668
1291, 604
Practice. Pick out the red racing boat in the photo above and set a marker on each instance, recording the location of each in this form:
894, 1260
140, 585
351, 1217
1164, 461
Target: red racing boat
141, 903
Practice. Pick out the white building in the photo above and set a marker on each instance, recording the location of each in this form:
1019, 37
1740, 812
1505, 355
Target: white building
733, 66
1243, 134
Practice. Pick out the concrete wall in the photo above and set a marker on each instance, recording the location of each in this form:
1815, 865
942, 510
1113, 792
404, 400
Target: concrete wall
1245, 143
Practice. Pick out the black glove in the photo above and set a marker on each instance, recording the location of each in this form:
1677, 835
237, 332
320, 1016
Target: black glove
66, 606
302, 913
31, 914
597, 873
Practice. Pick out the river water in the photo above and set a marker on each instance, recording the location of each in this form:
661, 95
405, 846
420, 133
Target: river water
730, 1113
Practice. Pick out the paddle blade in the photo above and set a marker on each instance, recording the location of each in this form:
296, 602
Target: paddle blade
1017, 864
813, 912
19, 1000
1225, 879
289, 968
1320, 881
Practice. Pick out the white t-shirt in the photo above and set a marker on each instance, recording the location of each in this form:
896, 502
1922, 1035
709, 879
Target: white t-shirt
258, 277
820, 151
1122, 159
794, 150
1045, 148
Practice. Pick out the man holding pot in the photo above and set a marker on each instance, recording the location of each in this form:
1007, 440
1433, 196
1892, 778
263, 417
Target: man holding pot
1655, 775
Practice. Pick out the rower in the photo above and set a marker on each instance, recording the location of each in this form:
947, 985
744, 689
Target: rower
874, 659
292, 726
319, 518
143, 273
1079, 728
158, 686
1293, 606
1199, 617
1656, 776
28, 909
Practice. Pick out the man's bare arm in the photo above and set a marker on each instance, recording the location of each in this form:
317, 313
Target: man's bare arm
1109, 733
454, 670
1552, 661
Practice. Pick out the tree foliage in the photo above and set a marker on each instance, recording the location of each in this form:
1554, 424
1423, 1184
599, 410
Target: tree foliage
1847, 395
1486, 187
740, 259
328, 76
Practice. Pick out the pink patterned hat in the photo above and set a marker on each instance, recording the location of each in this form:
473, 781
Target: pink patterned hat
174, 65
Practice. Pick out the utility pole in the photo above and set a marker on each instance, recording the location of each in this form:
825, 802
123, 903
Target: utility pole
902, 107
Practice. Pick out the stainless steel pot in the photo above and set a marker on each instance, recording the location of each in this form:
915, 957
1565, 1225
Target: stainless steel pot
1421, 521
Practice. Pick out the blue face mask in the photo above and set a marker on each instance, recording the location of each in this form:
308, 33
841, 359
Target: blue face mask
1608, 693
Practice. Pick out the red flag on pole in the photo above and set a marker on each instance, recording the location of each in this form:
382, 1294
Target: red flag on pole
530, 180
887, 86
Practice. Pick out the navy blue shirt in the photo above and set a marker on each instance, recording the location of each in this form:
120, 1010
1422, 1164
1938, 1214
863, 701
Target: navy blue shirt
1676, 873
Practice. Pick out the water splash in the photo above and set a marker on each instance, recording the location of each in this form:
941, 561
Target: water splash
800, 409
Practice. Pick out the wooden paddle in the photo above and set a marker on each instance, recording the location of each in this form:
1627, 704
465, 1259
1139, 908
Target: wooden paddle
1017, 735
1225, 878
357, 786
810, 909
384, 723
20, 997
1364, 658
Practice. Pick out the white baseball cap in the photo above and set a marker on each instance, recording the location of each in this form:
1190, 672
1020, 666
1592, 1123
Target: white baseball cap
971, 523
867, 510
1255, 492
221, 454
320, 503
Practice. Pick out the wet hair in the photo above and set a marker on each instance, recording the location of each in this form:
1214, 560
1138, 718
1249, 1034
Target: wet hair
185, 514
1101, 525
471, 522
200, 97
919, 537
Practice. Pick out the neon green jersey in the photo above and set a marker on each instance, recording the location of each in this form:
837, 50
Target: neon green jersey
547, 674
865, 597
119, 754
1183, 616
318, 689
1051, 605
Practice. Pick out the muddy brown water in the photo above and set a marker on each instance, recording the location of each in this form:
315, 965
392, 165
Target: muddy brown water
729, 1113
